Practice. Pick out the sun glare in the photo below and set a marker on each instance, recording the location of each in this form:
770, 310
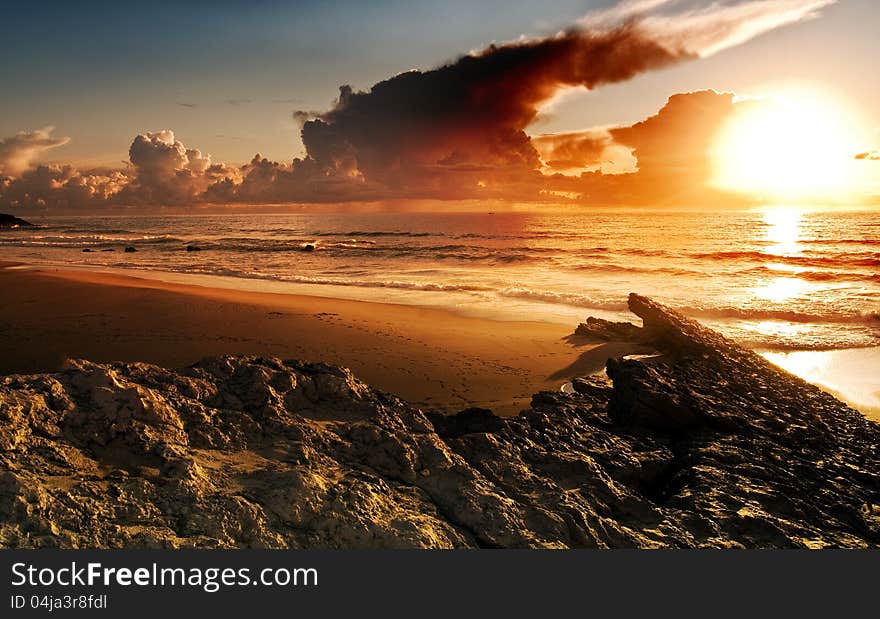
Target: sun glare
783, 231
782, 234
790, 146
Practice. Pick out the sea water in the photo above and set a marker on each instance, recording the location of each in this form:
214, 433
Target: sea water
780, 279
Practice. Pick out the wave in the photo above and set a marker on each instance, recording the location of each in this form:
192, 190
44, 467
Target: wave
869, 260
83, 230
815, 276
91, 241
871, 319
378, 233
864, 318
840, 241
839, 339
327, 281
619, 268
638, 251
353, 248
349, 248
449, 235
563, 298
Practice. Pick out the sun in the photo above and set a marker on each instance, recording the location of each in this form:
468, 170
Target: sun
791, 146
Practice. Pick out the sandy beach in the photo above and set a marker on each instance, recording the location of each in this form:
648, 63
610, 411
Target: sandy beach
433, 358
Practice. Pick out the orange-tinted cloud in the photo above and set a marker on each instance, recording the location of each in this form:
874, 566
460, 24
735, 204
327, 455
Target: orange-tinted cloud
671, 150
56, 186
869, 155
459, 131
164, 170
460, 128
19, 151
574, 151
469, 118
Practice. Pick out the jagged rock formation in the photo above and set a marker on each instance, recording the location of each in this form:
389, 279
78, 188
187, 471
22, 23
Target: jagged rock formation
706, 445
606, 330
11, 221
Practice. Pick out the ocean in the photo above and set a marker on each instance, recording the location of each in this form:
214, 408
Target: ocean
777, 278
782, 280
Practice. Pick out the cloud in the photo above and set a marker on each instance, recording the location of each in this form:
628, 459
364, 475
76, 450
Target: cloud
237, 102
575, 151
19, 151
463, 124
162, 171
671, 151
189, 105
468, 118
165, 171
869, 156
56, 186
301, 117
679, 136
707, 30
661, 159
459, 130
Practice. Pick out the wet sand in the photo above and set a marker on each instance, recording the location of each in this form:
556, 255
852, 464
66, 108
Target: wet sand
433, 358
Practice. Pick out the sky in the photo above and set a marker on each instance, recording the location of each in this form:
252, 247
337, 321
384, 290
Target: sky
227, 77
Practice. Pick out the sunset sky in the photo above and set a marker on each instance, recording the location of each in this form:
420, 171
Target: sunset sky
228, 79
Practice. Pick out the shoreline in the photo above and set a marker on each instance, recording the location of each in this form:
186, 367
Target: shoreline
437, 358
707, 446
434, 358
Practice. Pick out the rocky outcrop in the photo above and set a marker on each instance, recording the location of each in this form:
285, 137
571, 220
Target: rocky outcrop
11, 221
707, 445
606, 330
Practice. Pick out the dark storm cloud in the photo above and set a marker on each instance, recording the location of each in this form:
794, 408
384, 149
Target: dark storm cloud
463, 125
458, 131
472, 112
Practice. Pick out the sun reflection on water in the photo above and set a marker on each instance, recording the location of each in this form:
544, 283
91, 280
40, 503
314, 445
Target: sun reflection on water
781, 289
777, 328
809, 365
783, 231
848, 374
785, 268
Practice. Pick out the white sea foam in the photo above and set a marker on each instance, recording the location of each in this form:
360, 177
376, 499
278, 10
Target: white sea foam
811, 284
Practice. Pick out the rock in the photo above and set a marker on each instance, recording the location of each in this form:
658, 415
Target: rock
606, 330
8, 222
646, 397
130, 250
468, 421
596, 386
672, 332
87, 250
706, 446
108, 249
193, 248
308, 247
